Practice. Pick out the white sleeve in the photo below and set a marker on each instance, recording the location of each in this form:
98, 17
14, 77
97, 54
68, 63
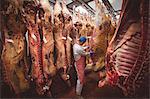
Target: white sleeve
83, 53
79, 51
85, 47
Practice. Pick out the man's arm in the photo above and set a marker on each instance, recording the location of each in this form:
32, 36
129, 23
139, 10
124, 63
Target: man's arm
83, 53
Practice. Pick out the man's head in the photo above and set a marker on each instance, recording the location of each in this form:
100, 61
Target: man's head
82, 40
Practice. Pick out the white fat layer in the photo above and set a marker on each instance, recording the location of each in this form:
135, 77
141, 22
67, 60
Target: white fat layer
34, 37
9, 40
44, 39
69, 38
64, 38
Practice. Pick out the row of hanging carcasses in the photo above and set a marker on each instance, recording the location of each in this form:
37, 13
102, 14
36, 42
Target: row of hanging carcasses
35, 46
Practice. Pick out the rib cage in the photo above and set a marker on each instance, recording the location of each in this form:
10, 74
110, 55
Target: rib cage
129, 56
126, 55
140, 71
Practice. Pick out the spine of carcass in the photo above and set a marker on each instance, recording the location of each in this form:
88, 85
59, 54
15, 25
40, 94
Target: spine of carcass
66, 33
36, 54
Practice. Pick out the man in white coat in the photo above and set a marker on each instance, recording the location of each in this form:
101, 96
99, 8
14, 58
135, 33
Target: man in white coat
80, 62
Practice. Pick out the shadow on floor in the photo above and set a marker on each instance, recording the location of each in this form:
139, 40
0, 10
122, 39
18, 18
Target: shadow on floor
60, 89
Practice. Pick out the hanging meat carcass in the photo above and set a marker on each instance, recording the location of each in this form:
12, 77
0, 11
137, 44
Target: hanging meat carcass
40, 37
128, 52
45, 25
58, 34
84, 22
86, 31
67, 29
30, 11
103, 31
76, 27
13, 29
79, 25
48, 40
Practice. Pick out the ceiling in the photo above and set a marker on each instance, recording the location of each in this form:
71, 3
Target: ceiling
112, 6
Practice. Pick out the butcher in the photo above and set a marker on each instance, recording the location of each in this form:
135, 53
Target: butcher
80, 62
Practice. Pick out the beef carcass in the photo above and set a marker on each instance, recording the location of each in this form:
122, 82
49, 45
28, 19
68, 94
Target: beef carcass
45, 25
58, 35
127, 55
33, 13
48, 40
87, 32
67, 35
13, 53
102, 33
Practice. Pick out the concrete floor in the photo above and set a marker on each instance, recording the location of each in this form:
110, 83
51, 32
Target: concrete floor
60, 89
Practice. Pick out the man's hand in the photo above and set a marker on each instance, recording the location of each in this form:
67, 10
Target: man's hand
87, 48
91, 53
